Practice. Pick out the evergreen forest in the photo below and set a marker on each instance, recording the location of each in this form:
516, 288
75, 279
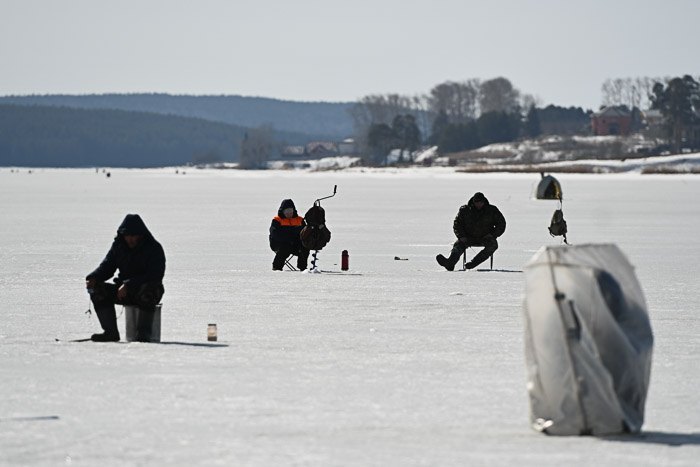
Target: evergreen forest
47, 136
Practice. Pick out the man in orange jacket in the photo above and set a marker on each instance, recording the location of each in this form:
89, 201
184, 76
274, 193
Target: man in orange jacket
284, 236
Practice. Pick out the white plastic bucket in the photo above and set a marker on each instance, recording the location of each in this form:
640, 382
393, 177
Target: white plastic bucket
131, 314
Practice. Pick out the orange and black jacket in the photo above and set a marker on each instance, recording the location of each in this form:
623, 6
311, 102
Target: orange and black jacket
283, 231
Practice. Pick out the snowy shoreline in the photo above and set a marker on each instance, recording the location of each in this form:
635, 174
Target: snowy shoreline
683, 164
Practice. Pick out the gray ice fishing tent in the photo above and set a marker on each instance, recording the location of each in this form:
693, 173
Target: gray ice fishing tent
549, 188
588, 341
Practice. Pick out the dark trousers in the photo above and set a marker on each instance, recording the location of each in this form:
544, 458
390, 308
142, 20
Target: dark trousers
283, 252
490, 245
105, 295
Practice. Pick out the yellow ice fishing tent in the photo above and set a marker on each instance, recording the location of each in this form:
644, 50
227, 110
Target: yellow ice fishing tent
549, 188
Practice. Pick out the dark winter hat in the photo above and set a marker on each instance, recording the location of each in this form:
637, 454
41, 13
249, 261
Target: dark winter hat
133, 225
286, 204
479, 196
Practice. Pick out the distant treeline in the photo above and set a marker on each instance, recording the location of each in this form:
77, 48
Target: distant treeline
459, 116
41, 136
322, 120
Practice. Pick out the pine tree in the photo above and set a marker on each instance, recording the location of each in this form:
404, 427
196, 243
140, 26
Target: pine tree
498, 127
459, 137
406, 132
679, 103
532, 123
380, 138
439, 124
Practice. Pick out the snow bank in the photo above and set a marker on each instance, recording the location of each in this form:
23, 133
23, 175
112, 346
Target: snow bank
326, 163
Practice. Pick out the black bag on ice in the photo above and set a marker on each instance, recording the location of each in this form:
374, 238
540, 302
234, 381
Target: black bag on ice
557, 226
315, 235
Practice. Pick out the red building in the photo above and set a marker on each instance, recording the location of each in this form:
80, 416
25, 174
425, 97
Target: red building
611, 121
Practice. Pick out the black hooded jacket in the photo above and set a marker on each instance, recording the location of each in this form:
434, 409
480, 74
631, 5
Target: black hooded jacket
283, 231
137, 266
477, 223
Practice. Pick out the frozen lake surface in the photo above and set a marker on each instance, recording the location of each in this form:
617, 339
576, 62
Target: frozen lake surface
397, 363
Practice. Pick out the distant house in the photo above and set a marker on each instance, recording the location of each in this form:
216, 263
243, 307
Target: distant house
652, 118
613, 120
347, 147
319, 149
293, 152
693, 137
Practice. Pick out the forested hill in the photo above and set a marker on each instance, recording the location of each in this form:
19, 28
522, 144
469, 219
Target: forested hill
41, 136
331, 120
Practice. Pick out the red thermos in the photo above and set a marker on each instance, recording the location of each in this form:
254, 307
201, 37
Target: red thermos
344, 260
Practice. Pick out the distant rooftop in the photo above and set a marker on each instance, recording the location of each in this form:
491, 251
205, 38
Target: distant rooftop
612, 111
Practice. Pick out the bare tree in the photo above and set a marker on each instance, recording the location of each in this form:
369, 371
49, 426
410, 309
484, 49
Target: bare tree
631, 92
527, 101
609, 94
369, 111
422, 113
257, 147
380, 109
457, 99
407, 134
612, 92
498, 95
646, 88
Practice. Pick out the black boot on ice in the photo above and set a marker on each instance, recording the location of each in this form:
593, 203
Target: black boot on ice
105, 337
480, 257
442, 261
449, 263
108, 321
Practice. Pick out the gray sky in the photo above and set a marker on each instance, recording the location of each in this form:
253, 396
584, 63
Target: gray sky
325, 50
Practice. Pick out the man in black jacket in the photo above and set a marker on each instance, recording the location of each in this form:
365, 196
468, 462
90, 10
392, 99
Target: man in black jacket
284, 236
141, 263
477, 223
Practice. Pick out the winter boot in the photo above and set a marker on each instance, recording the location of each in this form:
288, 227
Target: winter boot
302, 261
480, 257
280, 259
449, 263
108, 321
104, 337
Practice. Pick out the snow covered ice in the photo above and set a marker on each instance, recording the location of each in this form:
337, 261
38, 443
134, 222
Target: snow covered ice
395, 363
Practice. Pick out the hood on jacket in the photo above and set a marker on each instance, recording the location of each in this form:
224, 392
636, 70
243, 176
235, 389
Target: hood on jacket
133, 225
286, 203
478, 195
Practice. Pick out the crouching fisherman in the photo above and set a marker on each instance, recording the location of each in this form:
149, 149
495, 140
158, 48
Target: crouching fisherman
285, 237
141, 263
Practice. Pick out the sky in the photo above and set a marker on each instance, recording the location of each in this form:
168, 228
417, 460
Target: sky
338, 51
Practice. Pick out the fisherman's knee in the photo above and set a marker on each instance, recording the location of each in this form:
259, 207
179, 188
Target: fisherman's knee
492, 245
149, 295
100, 294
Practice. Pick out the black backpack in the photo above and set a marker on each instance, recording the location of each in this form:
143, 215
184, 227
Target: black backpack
557, 226
315, 235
